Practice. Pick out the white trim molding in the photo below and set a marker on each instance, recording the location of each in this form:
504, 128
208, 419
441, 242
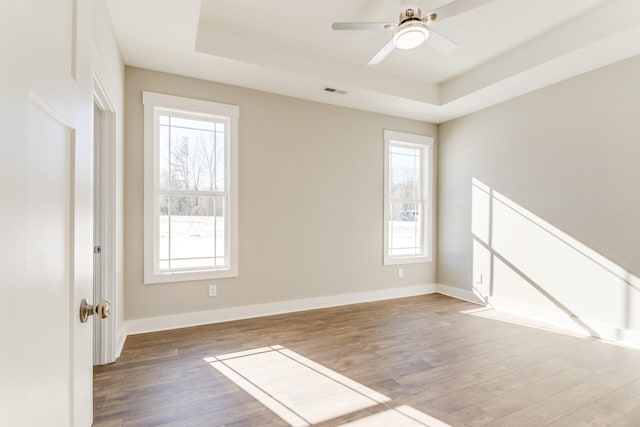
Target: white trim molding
603, 331
184, 320
461, 294
558, 321
554, 319
121, 339
105, 340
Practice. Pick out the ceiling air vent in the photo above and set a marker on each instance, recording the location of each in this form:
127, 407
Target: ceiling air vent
334, 90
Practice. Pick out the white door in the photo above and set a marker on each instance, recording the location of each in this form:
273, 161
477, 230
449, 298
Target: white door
46, 107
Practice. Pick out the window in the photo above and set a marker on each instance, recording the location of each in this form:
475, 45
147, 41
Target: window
190, 189
407, 198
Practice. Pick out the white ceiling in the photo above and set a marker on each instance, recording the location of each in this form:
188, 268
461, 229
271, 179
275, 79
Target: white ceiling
506, 48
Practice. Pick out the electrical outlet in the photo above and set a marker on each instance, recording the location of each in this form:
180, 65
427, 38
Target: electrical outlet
213, 290
400, 273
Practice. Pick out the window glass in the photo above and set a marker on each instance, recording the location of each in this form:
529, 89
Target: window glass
190, 189
407, 201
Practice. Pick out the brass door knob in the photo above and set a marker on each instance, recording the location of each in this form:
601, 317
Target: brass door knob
101, 309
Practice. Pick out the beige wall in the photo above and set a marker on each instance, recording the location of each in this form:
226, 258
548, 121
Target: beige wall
556, 205
310, 201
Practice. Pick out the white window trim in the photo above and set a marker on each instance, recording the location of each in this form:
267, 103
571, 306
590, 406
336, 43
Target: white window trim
151, 100
428, 188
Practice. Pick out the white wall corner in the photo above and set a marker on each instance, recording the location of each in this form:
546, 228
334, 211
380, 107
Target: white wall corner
185, 320
462, 294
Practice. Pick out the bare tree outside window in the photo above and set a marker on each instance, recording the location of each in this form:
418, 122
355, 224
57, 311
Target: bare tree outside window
192, 209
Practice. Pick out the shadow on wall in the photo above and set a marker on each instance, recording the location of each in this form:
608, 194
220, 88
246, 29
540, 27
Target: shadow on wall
523, 264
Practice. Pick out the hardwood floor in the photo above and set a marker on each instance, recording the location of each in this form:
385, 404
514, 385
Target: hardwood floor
422, 352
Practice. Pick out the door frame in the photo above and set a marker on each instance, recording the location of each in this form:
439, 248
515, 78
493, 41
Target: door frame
105, 331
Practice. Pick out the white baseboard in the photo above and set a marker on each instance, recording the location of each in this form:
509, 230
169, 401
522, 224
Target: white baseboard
557, 320
121, 338
161, 323
578, 325
462, 294
552, 318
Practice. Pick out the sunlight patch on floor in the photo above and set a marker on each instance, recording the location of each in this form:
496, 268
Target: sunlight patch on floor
297, 389
303, 392
402, 416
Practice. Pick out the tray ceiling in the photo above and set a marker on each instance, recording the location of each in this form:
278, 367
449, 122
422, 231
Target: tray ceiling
506, 48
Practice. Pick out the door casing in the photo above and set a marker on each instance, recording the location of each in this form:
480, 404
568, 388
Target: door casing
105, 211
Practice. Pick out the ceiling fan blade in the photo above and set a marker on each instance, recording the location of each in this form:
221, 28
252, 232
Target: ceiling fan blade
363, 25
457, 7
382, 53
441, 43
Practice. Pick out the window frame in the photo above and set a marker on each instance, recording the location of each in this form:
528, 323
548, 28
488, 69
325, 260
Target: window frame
153, 101
426, 144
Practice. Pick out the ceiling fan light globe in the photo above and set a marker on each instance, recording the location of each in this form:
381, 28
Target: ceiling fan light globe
410, 35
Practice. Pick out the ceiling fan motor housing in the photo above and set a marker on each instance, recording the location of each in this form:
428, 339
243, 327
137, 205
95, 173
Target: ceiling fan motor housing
410, 15
412, 30
416, 15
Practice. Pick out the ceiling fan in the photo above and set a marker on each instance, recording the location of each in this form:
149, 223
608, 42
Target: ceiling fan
413, 27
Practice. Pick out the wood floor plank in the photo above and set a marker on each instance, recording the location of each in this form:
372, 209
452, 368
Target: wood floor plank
502, 406
593, 415
557, 406
624, 399
424, 352
631, 419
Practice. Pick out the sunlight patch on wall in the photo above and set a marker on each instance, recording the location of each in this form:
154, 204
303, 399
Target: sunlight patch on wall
521, 260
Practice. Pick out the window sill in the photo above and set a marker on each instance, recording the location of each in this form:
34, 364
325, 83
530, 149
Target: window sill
155, 279
406, 260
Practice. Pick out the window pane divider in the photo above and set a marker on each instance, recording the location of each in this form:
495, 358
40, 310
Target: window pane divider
191, 258
194, 193
188, 128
